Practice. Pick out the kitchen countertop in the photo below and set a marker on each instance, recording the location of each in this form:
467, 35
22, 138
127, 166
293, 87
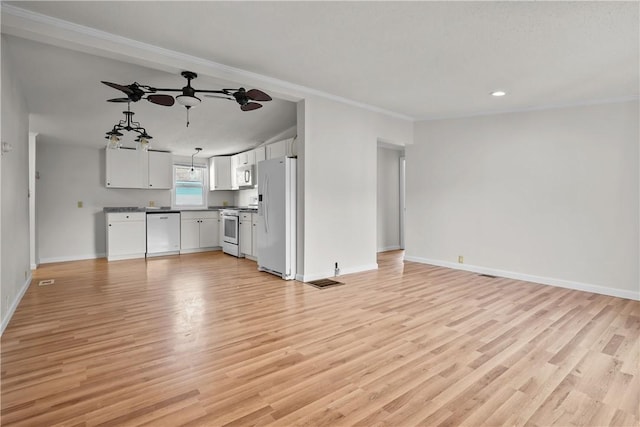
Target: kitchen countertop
162, 209
240, 208
166, 209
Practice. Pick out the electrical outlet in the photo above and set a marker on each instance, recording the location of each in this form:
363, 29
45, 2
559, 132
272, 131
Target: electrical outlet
152, 203
80, 204
460, 259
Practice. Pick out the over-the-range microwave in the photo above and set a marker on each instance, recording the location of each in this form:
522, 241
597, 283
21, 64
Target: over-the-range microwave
245, 176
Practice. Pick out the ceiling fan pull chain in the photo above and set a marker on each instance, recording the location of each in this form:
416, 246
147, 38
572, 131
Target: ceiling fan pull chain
188, 108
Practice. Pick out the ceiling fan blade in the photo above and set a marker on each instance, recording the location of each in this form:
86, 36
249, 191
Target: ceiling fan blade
119, 100
124, 89
166, 100
250, 106
258, 95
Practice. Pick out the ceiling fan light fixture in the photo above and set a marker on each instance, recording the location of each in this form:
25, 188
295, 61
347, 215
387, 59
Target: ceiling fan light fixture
498, 93
114, 132
143, 143
188, 101
114, 142
187, 98
129, 125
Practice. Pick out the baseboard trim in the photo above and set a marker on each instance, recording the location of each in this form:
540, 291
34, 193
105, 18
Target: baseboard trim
14, 305
561, 283
389, 248
197, 250
331, 273
72, 258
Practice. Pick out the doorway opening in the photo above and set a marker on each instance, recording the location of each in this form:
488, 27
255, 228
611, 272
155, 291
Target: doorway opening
390, 204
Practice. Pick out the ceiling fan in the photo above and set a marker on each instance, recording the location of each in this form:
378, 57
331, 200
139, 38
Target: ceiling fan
136, 91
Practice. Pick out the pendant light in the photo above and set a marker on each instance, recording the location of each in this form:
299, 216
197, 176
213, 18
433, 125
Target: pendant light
193, 171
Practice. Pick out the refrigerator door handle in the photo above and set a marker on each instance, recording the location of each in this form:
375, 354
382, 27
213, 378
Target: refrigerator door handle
266, 204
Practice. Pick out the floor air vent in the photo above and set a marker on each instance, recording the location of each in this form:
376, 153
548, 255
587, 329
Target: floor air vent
324, 283
46, 282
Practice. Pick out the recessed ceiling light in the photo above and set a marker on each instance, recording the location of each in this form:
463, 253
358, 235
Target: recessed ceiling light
498, 93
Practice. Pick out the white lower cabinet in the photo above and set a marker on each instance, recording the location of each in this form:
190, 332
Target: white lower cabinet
220, 231
249, 234
199, 231
245, 232
126, 235
254, 235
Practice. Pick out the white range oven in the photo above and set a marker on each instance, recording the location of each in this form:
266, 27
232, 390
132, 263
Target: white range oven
230, 228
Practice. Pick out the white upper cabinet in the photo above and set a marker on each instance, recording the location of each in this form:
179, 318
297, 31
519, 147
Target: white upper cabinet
246, 158
222, 169
127, 168
234, 165
280, 149
220, 173
259, 154
123, 169
160, 170
277, 149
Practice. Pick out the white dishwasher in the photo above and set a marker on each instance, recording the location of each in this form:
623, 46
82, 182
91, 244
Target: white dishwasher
163, 233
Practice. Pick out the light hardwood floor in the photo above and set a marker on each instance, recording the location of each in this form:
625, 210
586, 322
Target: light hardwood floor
205, 339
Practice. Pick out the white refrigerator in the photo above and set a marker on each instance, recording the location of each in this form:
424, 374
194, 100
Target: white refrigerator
277, 217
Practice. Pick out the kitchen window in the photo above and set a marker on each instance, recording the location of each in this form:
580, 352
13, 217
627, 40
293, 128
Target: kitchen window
189, 186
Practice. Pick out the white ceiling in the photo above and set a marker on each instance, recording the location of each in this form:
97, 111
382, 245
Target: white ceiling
416, 59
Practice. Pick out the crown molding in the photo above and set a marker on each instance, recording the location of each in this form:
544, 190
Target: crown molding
615, 100
54, 31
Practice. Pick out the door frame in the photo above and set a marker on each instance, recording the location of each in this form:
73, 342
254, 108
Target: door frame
403, 165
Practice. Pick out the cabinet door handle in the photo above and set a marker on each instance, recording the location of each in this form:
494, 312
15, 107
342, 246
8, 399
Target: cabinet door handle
150, 185
127, 216
109, 225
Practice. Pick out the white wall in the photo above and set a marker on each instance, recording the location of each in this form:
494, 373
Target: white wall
244, 197
388, 199
69, 174
340, 167
15, 271
548, 196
